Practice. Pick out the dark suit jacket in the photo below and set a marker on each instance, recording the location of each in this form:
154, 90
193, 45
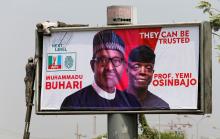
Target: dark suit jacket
154, 102
87, 98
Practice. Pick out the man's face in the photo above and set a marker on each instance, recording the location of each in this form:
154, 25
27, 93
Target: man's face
140, 74
107, 66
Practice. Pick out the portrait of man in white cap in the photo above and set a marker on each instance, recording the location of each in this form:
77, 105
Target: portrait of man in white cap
107, 65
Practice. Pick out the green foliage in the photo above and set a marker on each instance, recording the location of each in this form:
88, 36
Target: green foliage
163, 135
206, 6
214, 17
214, 14
144, 127
171, 135
101, 136
215, 21
149, 133
218, 47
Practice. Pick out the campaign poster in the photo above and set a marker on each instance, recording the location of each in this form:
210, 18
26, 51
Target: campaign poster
76, 75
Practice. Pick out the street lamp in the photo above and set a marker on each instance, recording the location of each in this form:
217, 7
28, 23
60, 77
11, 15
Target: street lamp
197, 122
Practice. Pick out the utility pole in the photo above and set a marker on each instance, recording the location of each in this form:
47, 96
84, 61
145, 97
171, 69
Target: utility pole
94, 126
159, 125
78, 135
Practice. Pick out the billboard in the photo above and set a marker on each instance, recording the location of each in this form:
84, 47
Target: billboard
121, 69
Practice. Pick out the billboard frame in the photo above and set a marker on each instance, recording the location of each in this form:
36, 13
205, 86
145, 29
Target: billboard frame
205, 69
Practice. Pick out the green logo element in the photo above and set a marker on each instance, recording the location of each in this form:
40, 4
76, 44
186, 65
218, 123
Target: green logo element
68, 62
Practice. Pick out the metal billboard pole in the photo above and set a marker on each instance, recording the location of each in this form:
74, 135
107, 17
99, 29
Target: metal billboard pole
122, 126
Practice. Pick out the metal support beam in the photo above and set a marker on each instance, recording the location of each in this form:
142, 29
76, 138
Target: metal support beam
122, 126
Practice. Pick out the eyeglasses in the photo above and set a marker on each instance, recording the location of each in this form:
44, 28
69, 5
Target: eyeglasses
116, 61
137, 67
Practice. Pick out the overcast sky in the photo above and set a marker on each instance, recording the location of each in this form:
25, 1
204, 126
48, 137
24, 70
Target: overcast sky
18, 21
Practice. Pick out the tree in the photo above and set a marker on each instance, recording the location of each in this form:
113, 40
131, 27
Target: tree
214, 16
150, 133
147, 132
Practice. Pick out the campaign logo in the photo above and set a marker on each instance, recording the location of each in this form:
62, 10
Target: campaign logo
68, 62
54, 62
61, 62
